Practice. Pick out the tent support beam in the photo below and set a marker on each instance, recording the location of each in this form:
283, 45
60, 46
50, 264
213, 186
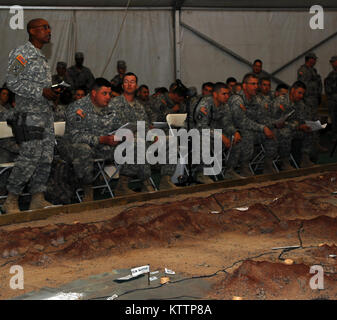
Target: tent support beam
177, 44
304, 53
226, 50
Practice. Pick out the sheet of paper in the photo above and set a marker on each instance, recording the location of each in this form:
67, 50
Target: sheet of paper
315, 125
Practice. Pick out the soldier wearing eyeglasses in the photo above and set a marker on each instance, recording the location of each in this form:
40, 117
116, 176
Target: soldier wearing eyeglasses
29, 77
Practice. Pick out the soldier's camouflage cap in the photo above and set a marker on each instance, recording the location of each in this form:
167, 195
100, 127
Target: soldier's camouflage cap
333, 59
121, 64
61, 64
311, 55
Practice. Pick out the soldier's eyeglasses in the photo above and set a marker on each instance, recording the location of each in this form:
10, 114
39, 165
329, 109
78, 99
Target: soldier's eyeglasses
253, 83
44, 26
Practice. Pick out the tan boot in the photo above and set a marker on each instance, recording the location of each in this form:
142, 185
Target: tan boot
306, 162
38, 202
203, 179
286, 164
11, 204
88, 194
122, 188
166, 183
231, 174
147, 186
268, 167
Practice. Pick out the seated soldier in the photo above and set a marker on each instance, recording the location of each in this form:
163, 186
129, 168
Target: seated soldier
281, 90
171, 102
244, 120
127, 109
213, 113
231, 83
79, 94
293, 103
87, 135
262, 113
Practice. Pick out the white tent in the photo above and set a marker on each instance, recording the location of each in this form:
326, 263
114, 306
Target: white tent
195, 41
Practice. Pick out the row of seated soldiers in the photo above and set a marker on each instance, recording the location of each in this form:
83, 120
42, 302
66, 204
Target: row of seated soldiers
247, 118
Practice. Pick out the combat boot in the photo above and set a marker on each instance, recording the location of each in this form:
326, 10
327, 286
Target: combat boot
147, 186
11, 204
231, 174
245, 170
306, 162
286, 164
203, 179
166, 183
88, 194
38, 202
122, 188
268, 166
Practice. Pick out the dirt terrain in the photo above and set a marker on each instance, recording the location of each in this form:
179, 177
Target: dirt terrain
227, 234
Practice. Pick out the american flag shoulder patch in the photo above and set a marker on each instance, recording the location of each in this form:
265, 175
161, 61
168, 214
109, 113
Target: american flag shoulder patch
21, 59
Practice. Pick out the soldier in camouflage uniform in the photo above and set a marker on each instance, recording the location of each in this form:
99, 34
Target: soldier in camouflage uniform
29, 77
171, 102
80, 76
127, 109
212, 112
143, 96
294, 124
117, 80
247, 121
330, 84
263, 114
310, 77
88, 125
61, 69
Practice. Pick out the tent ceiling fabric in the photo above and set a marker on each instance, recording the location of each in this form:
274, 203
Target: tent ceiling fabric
288, 4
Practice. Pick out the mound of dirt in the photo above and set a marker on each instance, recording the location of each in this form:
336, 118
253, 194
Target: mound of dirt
260, 280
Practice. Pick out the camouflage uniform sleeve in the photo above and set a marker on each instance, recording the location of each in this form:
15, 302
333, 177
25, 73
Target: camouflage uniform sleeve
303, 75
226, 123
23, 75
77, 125
330, 84
240, 119
202, 115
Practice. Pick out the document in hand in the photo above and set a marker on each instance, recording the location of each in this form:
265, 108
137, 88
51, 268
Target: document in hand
129, 125
284, 118
62, 84
315, 125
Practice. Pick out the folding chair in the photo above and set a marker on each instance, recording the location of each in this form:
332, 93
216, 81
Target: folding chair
107, 173
174, 121
5, 132
258, 160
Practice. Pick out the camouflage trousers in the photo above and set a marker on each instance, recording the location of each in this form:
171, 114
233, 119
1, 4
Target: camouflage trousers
284, 138
332, 107
307, 141
241, 152
82, 157
33, 164
313, 103
270, 145
9, 150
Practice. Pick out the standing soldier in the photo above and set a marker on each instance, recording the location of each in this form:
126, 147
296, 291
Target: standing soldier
310, 77
117, 80
330, 84
78, 75
29, 77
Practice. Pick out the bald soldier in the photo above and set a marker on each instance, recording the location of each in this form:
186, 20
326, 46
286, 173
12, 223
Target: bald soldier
29, 77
